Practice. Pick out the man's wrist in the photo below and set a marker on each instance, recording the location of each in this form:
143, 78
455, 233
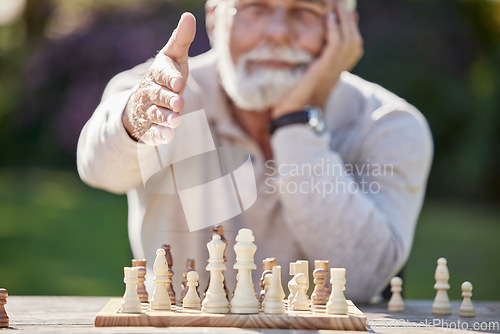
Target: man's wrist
310, 115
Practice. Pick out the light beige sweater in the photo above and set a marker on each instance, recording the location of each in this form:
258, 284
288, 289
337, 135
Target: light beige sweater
373, 138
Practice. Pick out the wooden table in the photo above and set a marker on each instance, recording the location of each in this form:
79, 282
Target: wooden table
38, 314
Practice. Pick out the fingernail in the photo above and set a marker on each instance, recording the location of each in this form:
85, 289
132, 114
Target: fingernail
166, 135
174, 120
174, 83
173, 102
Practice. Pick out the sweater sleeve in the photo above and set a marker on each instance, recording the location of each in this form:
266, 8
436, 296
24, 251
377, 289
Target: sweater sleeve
106, 155
361, 215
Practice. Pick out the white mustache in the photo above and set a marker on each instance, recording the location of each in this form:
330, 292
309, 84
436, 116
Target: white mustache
282, 54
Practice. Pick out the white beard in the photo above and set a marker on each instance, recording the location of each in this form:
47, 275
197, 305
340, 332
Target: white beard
262, 88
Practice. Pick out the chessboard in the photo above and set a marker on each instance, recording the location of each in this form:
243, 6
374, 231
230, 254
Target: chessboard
111, 316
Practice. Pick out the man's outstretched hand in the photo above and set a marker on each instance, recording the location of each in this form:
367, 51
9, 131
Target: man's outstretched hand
152, 111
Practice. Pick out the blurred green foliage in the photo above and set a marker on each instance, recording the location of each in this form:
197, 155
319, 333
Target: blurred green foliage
442, 56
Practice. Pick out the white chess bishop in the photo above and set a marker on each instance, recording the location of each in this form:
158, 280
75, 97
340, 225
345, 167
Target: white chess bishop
215, 300
245, 300
274, 300
441, 305
160, 299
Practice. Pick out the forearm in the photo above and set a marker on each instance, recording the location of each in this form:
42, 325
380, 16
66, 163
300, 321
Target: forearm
368, 233
106, 155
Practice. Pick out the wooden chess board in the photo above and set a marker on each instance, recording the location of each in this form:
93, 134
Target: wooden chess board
111, 316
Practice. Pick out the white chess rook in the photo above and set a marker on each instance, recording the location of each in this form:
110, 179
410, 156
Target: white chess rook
301, 300
274, 300
215, 300
191, 299
467, 309
396, 303
160, 299
441, 305
131, 302
245, 300
337, 304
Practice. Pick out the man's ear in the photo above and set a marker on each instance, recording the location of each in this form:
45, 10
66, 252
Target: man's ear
210, 19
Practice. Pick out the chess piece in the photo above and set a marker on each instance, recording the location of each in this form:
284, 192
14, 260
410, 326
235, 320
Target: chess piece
396, 303
141, 273
170, 262
219, 229
160, 299
263, 285
191, 299
244, 300
320, 295
170, 286
131, 302
215, 300
467, 309
274, 300
189, 267
441, 305
4, 318
300, 301
324, 264
303, 267
337, 304
269, 263
292, 286
268, 278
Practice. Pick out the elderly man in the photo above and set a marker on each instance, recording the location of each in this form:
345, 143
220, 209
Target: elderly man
276, 83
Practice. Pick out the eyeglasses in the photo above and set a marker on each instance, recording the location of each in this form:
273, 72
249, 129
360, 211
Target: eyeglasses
262, 12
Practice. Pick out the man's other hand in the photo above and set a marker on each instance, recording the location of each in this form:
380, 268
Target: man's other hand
342, 51
152, 111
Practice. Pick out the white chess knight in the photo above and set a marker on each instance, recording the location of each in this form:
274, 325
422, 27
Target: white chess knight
215, 300
292, 285
441, 305
245, 300
131, 302
337, 304
274, 300
192, 300
160, 299
467, 309
396, 303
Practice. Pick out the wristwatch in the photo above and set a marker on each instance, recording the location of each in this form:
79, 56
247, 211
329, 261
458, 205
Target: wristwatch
313, 116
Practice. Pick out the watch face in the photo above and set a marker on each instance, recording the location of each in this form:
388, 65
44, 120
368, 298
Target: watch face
316, 119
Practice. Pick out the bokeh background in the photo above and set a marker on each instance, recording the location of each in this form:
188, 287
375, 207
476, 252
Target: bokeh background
60, 237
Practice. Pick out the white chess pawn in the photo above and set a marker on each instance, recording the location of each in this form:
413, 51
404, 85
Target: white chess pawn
274, 300
396, 303
160, 299
191, 299
131, 302
467, 309
337, 304
215, 300
244, 300
301, 300
292, 286
441, 305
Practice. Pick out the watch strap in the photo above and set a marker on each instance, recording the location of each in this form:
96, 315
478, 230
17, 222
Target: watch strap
297, 117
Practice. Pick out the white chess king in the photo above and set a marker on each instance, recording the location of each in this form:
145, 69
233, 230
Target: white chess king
215, 300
